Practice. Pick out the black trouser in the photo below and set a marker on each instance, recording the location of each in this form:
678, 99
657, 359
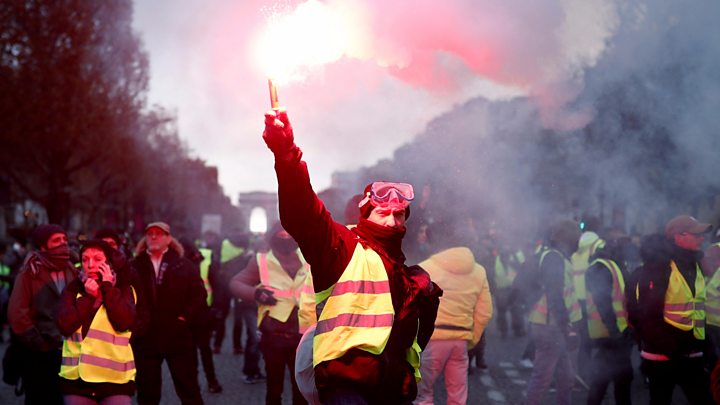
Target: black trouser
40, 377
201, 336
219, 312
611, 364
688, 373
278, 350
183, 369
505, 302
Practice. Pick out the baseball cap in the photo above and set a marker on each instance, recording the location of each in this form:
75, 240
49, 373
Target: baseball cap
685, 224
162, 225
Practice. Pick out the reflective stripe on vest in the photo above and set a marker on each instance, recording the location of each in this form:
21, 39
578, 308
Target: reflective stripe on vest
504, 274
104, 355
290, 293
596, 327
682, 310
205, 272
539, 311
358, 311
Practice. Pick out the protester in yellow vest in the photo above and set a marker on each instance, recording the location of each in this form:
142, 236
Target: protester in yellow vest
95, 314
378, 313
589, 243
280, 282
554, 317
607, 323
669, 315
505, 268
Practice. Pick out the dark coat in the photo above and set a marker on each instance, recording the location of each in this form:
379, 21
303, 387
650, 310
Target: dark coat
32, 308
170, 308
645, 297
75, 312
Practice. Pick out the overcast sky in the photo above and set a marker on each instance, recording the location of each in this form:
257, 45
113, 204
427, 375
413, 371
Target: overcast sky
402, 68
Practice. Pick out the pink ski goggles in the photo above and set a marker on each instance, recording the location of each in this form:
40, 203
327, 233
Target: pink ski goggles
389, 195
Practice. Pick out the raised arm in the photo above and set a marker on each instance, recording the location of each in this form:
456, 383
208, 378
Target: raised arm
325, 244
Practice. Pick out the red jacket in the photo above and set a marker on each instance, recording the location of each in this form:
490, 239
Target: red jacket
328, 247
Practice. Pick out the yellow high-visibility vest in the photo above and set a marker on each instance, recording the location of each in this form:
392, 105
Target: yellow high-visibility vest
289, 292
103, 355
683, 310
539, 311
580, 261
596, 327
504, 273
228, 251
205, 272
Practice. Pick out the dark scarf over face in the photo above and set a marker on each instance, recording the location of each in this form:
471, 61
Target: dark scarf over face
55, 259
383, 239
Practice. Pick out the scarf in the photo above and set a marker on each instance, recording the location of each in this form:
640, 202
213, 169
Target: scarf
55, 260
383, 239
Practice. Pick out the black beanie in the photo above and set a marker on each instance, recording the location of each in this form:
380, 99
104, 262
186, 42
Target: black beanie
42, 233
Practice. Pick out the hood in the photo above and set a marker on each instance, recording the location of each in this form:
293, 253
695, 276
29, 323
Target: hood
174, 245
586, 241
457, 260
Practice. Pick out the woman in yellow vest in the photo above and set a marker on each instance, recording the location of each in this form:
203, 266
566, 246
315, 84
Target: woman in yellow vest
95, 314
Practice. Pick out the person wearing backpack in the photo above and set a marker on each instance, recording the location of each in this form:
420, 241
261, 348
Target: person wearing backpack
554, 316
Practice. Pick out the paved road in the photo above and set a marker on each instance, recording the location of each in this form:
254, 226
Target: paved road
504, 382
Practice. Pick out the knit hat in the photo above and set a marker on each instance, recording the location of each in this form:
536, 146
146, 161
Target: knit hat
42, 233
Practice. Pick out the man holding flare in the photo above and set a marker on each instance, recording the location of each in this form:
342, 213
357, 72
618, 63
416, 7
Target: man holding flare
377, 313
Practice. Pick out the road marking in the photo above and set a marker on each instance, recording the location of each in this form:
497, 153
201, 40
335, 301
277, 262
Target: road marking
518, 381
505, 364
496, 396
512, 373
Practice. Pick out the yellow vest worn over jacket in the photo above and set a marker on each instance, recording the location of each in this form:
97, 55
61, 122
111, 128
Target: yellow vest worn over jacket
589, 243
596, 327
358, 311
205, 272
289, 292
539, 311
683, 310
103, 356
466, 305
504, 273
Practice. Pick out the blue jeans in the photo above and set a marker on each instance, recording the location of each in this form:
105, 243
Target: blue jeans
248, 315
552, 357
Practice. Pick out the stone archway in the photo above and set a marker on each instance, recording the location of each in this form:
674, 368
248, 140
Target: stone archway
268, 201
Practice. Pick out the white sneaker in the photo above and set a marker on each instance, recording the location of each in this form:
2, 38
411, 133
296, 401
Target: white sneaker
526, 363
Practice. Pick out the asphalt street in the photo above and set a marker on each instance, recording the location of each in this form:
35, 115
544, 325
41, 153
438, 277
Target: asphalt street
504, 382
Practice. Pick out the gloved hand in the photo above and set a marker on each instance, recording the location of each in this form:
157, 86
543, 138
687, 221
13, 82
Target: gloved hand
278, 134
265, 296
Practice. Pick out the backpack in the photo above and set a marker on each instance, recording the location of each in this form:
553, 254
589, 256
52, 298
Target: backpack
12, 366
528, 287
